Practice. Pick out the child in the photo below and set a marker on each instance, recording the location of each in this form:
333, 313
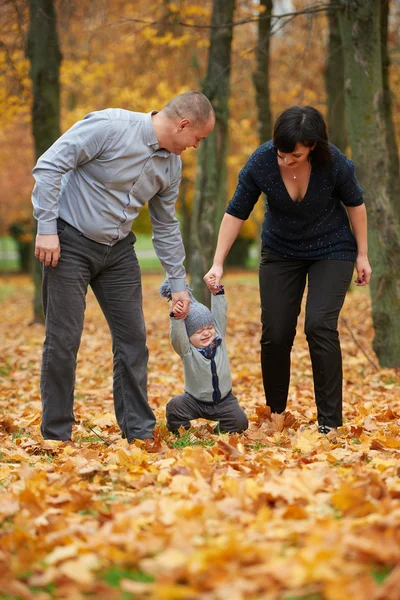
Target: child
199, 341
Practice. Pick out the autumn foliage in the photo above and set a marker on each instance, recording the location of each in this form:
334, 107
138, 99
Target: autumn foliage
137, 55
276, 513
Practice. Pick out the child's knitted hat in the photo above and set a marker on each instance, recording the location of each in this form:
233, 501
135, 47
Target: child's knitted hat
199, 315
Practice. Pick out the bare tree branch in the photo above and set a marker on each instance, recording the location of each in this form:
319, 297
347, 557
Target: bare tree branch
317, 8
353, 337
11, 65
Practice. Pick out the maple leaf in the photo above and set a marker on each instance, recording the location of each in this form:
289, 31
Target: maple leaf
201, 518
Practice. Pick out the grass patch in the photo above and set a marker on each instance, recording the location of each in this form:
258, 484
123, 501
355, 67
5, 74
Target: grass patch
256, 446
188, 439
88, 512
5, 291
381, 574
146, 255
49, 589
4, 370
9, 258
150, 265
114, 575
17, 434
143, 242
87, 439
307, 597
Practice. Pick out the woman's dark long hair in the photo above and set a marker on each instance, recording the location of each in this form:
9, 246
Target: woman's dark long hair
302, 125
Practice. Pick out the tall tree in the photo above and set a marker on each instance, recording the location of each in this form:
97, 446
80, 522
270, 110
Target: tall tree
360, 24
334, 81
43, 52
393, 152
210, 193
261, 75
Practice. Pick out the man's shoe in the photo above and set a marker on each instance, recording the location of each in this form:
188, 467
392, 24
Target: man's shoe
324, 429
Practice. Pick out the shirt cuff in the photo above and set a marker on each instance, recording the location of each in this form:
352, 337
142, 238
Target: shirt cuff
178, 285
47, 227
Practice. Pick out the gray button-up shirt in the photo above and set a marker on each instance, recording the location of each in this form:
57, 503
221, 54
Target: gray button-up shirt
99, 173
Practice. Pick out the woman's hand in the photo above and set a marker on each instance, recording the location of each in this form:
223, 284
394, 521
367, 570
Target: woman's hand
363, 270
213, 277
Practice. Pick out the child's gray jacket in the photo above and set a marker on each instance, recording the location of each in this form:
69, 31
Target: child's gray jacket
197, 368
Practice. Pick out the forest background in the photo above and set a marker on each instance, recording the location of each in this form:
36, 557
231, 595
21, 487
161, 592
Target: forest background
253, 59
128, 54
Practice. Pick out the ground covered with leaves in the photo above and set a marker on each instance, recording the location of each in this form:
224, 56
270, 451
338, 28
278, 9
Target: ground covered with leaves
280, 512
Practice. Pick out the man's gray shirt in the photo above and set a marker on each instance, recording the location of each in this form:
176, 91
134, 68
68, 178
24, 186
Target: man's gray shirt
99, 173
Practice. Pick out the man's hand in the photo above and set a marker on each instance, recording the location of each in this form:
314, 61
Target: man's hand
212, 279
47, 249
180, 304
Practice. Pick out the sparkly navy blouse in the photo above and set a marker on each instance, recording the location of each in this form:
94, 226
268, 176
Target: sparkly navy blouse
315, 228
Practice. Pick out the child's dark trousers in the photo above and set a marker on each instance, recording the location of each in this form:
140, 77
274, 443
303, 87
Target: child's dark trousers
183, 408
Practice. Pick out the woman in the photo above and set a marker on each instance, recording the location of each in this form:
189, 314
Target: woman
306, 234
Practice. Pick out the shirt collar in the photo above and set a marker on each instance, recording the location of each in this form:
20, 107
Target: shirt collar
151, 138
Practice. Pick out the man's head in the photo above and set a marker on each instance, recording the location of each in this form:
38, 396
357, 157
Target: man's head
184, 122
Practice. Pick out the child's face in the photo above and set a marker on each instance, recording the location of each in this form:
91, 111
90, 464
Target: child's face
203, 336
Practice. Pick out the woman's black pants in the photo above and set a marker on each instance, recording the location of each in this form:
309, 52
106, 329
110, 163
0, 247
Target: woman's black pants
282, 284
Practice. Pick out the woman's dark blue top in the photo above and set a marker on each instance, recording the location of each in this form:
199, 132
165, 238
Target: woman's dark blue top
315, 228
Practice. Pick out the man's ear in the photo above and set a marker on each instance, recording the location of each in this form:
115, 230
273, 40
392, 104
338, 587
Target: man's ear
183, 124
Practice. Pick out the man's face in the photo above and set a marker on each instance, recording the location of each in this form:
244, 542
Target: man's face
185, 135
203, 336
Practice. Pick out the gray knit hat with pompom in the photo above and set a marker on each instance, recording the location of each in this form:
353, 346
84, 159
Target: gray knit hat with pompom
199, 315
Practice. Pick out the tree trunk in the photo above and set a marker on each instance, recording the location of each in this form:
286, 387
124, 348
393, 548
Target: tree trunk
261, 76
263, 102
210, 190
334, 81
360, 24
393, 153
44, 54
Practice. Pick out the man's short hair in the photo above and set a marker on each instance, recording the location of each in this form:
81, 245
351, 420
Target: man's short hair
191, 105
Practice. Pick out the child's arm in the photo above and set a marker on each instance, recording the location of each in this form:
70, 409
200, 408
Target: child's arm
219, 308
179, 338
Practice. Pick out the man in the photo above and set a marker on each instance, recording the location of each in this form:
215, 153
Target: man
89, 187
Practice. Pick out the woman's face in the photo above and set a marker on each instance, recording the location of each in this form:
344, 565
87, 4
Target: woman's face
296, 158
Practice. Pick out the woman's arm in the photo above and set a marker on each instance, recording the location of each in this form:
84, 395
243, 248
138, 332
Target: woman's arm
228, 232
358, 220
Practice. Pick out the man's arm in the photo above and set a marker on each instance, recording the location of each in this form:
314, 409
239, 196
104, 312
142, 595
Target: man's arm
167, 241
77, 146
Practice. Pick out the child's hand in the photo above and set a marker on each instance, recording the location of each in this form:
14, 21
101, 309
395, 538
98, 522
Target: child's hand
211, 284
179, 309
